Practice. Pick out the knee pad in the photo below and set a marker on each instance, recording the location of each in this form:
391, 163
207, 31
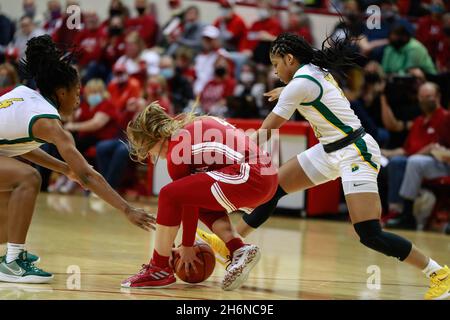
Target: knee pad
263, 212
372, 236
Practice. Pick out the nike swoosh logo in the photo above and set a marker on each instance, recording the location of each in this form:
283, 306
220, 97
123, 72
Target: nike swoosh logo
358, 185
17, 272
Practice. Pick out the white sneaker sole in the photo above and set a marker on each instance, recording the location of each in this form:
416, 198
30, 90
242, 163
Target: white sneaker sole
443, 297
128, 286
236, 278
26, 279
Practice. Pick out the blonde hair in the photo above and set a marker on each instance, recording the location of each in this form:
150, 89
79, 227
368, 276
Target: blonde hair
97, 85
152, 125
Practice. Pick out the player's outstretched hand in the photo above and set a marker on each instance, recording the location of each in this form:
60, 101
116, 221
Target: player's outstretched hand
274, 94
141, 218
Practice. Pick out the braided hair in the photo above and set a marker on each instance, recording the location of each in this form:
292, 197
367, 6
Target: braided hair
337, 56
48, 66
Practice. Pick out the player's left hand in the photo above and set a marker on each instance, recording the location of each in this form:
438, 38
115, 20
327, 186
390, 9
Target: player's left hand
188, 257
140, 218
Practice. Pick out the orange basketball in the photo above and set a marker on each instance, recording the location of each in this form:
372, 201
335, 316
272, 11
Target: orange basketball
206, 255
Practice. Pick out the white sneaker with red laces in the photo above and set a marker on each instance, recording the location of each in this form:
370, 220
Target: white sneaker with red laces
243, 261
150, 277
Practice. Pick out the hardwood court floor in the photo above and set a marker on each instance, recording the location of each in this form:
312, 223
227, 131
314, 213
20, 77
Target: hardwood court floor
301, 259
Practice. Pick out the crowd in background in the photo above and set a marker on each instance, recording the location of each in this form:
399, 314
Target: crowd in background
400, 91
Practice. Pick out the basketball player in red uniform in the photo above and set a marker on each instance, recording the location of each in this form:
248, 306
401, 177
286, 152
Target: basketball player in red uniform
216, 169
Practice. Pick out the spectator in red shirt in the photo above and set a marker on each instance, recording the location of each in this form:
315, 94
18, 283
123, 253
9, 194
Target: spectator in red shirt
443, 50
262, 33
53, 17
429, 28
432, 129
113, 47
122, 88
144, 23
298, 22
233, 31
87, 40
213, 96
96, 119
427, 130
66, 32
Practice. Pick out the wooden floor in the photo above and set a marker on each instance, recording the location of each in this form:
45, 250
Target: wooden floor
301, 259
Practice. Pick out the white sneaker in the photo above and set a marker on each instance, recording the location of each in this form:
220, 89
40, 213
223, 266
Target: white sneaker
243, 261
68, 187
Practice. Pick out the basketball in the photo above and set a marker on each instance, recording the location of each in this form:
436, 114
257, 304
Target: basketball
206, 255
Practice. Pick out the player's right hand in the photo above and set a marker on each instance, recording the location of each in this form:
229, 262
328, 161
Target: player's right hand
141, 218
274, 94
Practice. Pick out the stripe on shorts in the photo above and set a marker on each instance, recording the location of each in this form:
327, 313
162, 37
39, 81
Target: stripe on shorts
242, 177
221, 198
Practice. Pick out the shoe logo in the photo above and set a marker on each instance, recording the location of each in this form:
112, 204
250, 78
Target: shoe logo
354, 167
358, 184
17, 272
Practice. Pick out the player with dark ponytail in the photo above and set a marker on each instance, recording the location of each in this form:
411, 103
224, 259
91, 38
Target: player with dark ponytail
28, 119
345, 150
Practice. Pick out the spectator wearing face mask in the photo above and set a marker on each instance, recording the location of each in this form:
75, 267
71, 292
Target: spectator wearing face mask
29, 9
299, 22
122, 88
9, 78
233, 30
405, 52
429, 129
213, 96
113, 44
374, 40
96, 118
144, 23
53, 16
179, 88
426, 130
248, 96
262, 33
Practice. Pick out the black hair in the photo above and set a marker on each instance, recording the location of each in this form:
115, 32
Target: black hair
401, 31
48, 66
339, 55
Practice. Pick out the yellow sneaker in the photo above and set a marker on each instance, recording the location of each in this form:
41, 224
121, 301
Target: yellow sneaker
220, 249
439, 285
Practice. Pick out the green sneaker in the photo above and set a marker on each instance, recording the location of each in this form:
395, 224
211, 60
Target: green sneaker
31, 258
23, 271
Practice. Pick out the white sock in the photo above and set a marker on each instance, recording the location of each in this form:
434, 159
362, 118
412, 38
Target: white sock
13, 250
431, 267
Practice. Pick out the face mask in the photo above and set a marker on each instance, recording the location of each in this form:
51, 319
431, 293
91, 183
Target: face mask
140, 10
55, 14
351, 17
428, 106
167, 73
372, 77
436, 8
389, 15
115, 12
398, 44
446, 31
247, 77
29, 11
263, 14
3, 81
220, 71
115, 31
94, 99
